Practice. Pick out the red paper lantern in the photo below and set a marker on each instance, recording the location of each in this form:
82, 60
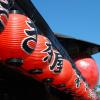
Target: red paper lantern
72, 84
79, 91
89, 70
41, 56
18, 40
75, 85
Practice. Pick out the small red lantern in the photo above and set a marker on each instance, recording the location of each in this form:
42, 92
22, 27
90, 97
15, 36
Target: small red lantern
41, 56
89, 70
19, 38
75, 85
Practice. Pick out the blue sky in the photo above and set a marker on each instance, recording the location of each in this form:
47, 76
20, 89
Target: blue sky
77, 18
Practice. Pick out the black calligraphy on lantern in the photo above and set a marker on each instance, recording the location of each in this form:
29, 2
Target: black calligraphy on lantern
4, 6
31, 33
86, 86
56, 66
49, 52
77, 81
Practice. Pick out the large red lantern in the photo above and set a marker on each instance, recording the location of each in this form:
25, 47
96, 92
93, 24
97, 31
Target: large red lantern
89, 70
19, 38
41, 56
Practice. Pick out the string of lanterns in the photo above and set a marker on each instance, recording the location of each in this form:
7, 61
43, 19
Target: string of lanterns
22, 46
